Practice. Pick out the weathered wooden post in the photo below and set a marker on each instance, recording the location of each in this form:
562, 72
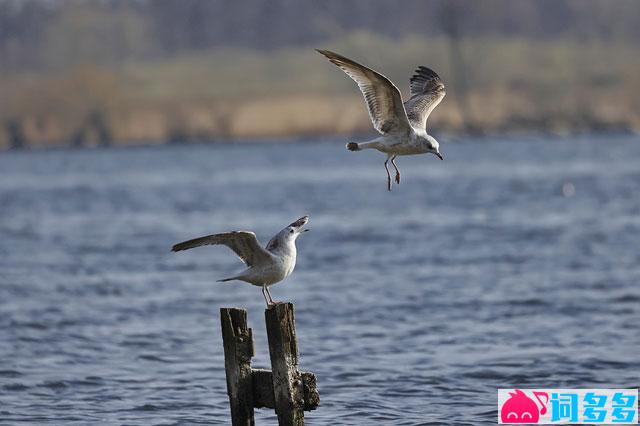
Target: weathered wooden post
286, 389
238, 351
283, 350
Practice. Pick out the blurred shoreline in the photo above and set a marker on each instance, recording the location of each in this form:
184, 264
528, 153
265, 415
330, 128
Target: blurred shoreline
446, 137
71, 87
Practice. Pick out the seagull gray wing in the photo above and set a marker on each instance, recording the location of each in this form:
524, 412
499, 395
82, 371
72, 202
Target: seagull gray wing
382, 97
243, 243
427, 90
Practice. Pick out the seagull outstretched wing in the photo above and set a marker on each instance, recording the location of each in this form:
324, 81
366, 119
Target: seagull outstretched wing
382, 97
427, 90
243, 243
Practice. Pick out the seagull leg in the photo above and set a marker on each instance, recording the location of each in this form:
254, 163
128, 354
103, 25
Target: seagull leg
271, 298
388, 175
264, 293
393, 161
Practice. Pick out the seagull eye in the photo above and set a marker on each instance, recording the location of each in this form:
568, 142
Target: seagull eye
291, 231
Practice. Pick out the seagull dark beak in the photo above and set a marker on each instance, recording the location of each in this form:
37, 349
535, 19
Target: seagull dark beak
305, 230
300, 222
439, 155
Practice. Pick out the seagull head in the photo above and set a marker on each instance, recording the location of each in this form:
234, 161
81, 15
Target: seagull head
296, 228
433, 146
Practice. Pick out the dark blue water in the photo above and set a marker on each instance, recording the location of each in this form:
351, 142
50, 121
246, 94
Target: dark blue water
412, 307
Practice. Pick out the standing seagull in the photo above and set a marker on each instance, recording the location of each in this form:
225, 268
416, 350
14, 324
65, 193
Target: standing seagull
403, 126
266, 266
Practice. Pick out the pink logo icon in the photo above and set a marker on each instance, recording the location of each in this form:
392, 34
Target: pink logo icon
519, 408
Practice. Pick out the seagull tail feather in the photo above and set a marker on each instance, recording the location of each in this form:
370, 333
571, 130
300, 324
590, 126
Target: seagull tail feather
353, 146
224, 280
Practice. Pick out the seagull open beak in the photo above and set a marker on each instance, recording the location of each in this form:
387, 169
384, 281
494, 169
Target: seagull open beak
298, 224
439, 155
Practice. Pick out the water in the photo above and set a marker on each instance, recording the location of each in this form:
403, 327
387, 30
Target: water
512, 263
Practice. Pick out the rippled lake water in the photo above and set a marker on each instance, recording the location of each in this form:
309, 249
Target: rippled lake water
513, 263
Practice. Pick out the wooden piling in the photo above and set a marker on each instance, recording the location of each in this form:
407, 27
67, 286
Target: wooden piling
285, 389
238, 351
288, 387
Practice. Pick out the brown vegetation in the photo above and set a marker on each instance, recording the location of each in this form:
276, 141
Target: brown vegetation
510, 85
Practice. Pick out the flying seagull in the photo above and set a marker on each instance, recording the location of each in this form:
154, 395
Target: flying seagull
265, 266
403, 126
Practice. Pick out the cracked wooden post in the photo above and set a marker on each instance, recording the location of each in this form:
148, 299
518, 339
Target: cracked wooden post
238, 351
288, 387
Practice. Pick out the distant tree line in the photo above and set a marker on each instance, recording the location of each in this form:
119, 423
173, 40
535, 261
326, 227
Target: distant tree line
48, 34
